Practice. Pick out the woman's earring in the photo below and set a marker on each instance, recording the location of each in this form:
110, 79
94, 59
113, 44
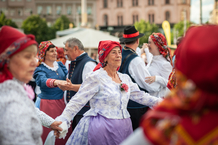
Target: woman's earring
105, 63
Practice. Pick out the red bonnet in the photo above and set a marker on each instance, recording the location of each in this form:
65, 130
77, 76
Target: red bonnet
104, 49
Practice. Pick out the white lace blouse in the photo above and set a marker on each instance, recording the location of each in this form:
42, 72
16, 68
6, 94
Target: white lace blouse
106, 97
20, 121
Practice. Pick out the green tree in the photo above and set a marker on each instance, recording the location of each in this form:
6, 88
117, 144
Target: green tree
179, 27
61, 23
147, 29
5, 21
37, 26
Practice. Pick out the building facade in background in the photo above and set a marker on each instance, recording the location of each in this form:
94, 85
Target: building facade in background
109, 15
17, 10
214, 13
115, 14
50, 10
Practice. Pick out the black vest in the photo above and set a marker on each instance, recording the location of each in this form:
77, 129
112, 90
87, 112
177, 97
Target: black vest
75, 75
128, 55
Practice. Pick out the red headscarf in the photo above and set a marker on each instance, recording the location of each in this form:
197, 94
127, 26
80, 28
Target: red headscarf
104, 49
160, 41
12, 41
43, 46
60, 51
61, 56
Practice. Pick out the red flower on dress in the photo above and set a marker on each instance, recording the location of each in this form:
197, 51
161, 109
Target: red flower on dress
124, 87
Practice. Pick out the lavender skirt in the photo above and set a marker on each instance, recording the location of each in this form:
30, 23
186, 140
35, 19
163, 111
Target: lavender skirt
99, 130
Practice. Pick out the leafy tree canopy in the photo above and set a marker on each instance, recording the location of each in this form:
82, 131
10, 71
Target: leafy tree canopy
5, 21
61, 23
147, 29
179, 27
37, 26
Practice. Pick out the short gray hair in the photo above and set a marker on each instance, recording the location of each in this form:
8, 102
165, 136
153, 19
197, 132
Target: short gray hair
74, 42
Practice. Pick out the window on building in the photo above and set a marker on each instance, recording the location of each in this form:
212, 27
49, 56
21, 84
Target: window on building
120, 20
39, 10
104, 3
167, 15
150, 2
134, 2
4, 10
58, 10
135, 18
49, 24
79, 10
167, 1
28, 12
151, 18
183, 15
89, 10
12, 12
105, 20
184, 1
20, 12
119, 3
69, 10
48, 10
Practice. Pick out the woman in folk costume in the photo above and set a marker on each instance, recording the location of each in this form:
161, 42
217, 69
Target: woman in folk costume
47, 76
19, 119
108, 91
160, 66
189, 115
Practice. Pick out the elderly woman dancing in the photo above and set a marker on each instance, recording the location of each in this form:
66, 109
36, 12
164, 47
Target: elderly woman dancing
19, 119
108, 92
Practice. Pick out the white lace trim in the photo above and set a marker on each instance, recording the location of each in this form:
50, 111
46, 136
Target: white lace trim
51, 68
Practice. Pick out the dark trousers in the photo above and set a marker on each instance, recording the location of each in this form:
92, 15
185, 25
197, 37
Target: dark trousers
136, 114
76, 120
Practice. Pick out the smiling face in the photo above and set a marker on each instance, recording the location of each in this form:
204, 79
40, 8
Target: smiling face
114, 57
70, 52
22, 65
152, 47
51, 54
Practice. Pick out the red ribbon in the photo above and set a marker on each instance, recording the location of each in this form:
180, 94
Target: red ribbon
130, 35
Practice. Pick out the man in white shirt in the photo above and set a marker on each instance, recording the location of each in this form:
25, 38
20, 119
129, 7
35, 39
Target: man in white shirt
135, 67
80, 65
